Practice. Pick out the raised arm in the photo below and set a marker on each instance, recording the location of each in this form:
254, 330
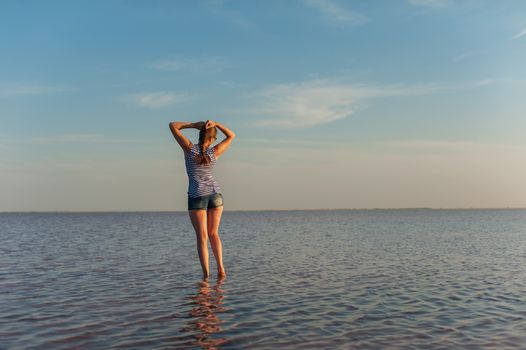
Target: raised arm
176, 128
223, 145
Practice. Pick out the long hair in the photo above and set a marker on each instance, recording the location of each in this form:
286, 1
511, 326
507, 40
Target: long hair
205, 135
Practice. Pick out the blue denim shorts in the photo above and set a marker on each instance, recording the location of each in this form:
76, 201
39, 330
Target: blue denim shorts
205, 202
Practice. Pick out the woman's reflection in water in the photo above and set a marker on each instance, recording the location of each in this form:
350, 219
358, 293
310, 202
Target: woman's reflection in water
204, 320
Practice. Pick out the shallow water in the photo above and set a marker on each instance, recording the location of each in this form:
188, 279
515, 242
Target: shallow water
433, 279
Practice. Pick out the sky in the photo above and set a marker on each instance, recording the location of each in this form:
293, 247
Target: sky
335, 104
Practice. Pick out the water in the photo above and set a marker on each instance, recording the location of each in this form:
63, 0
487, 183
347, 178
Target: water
397, 279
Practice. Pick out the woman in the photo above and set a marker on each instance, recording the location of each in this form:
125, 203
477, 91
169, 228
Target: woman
205, 199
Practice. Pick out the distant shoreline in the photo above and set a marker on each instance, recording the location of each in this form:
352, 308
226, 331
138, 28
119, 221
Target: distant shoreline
259, 210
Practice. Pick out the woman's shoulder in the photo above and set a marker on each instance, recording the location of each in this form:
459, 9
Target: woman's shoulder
212, 150
191, 150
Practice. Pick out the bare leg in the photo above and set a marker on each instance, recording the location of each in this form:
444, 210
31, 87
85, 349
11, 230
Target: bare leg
213, 222
198, 218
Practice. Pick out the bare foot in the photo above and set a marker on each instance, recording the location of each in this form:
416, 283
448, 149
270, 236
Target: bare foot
221, 273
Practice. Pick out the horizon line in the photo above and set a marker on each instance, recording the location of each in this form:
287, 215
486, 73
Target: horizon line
255, 210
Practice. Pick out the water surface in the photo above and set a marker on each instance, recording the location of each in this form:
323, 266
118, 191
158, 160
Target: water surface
433, 279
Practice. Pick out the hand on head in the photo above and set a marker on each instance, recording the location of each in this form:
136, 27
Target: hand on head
209, 124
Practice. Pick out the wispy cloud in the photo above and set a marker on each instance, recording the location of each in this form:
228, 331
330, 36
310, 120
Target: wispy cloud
20, 89
158, 99
335, 13
429, 145
326, 100
462, 56
483, 82
275, 141
218, 8
72, 138
519, 34
192, 65
323, 101
429, 3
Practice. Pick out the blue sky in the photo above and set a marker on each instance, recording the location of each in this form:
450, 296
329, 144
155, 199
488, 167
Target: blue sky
336, 104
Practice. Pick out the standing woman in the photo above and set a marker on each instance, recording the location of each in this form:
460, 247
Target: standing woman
205, 199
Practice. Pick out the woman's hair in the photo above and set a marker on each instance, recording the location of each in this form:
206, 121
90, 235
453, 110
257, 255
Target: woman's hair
204, 135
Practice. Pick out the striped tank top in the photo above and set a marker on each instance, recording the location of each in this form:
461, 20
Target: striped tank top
201, 181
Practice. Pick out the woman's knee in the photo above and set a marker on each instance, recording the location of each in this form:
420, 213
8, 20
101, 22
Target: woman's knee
213, 234
202, 237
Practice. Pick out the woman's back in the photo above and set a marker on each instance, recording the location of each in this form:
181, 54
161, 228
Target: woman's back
201, 180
